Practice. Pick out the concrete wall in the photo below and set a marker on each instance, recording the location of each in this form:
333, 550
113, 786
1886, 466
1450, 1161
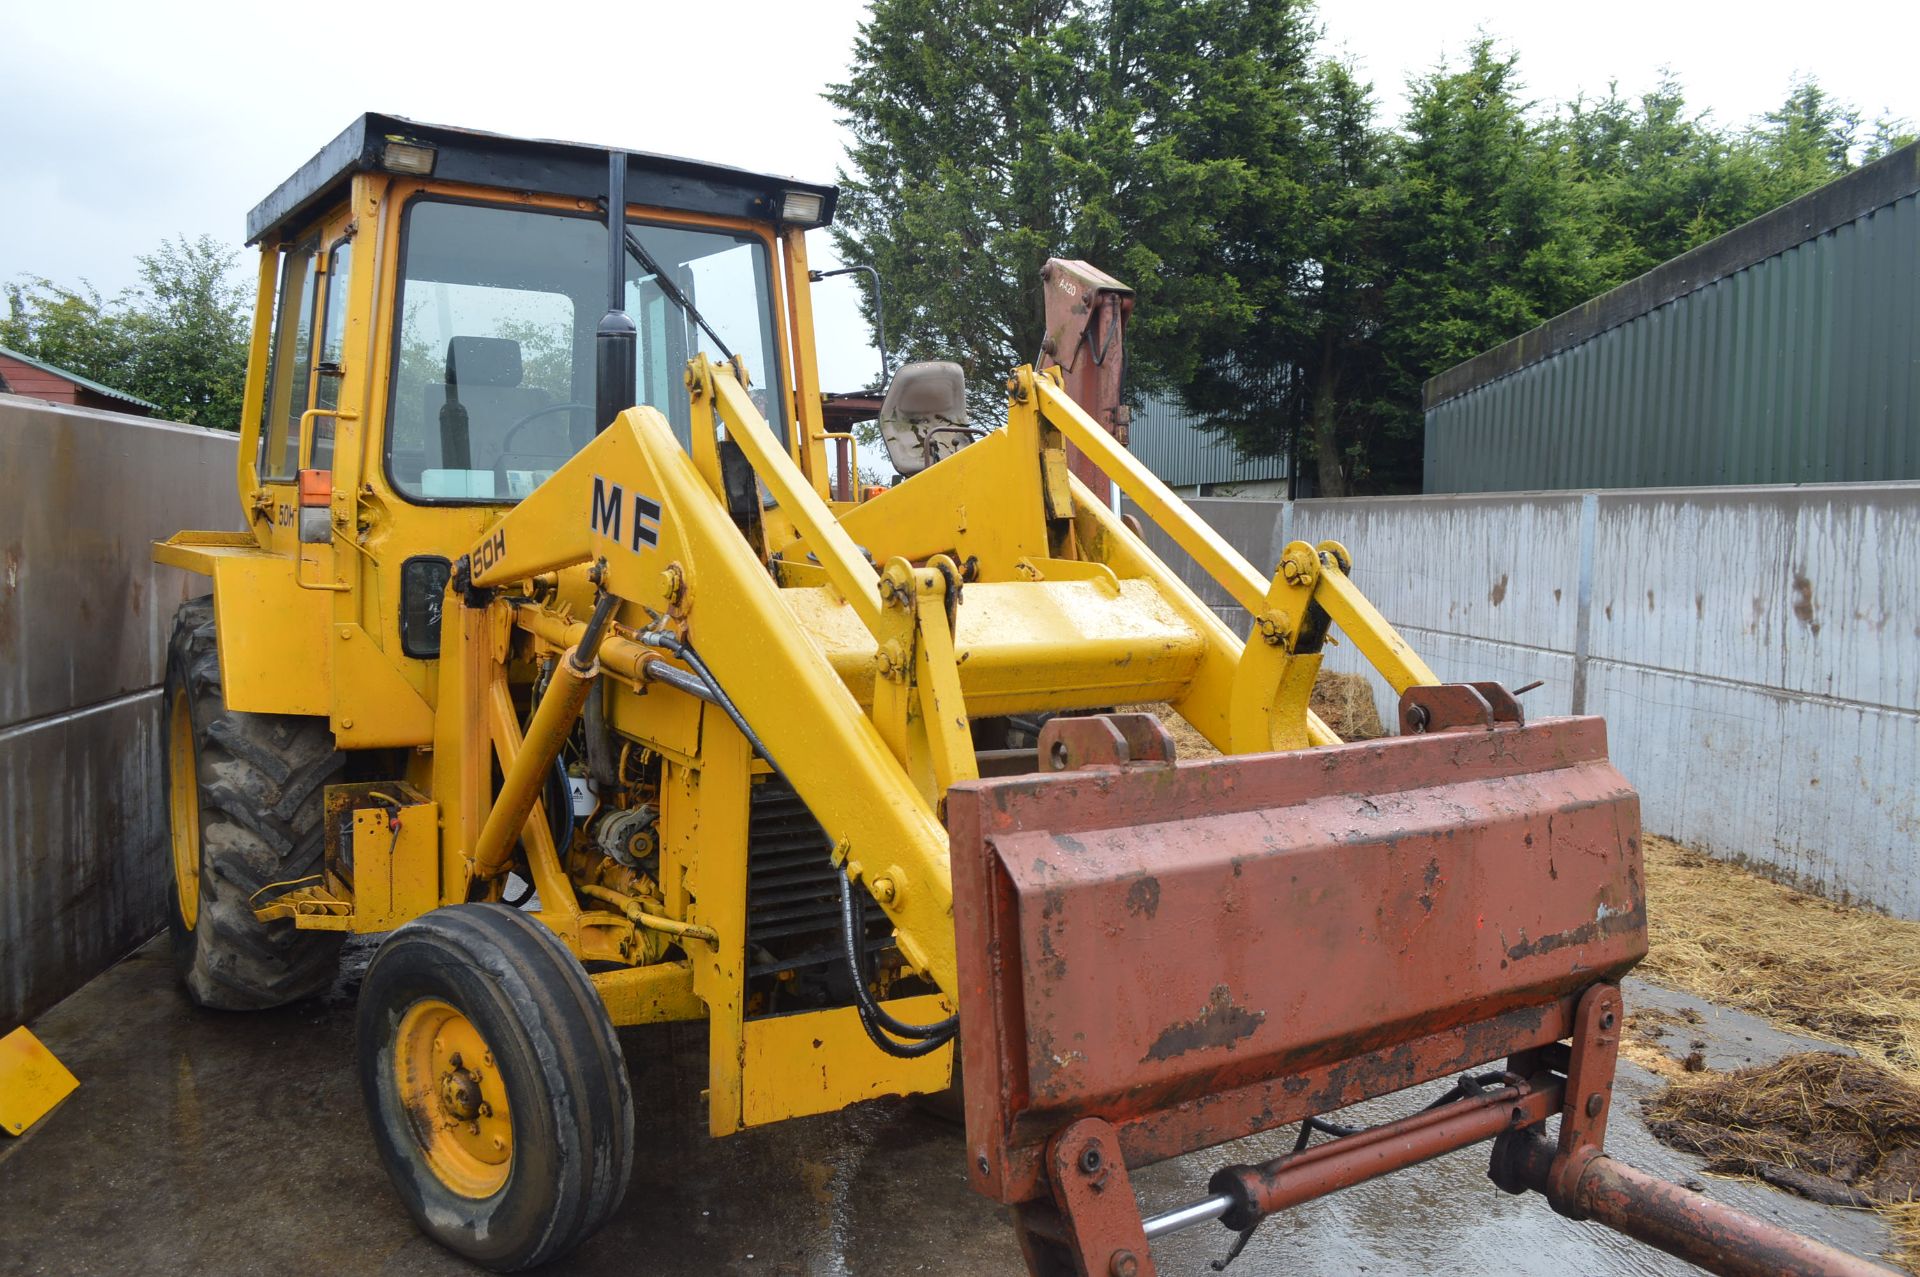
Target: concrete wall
1756, 651
84, 615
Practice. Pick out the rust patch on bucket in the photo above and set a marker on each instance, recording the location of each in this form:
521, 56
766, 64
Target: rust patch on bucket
1220, 1024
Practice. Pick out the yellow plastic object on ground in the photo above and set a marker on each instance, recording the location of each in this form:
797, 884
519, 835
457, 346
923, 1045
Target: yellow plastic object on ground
32, 1082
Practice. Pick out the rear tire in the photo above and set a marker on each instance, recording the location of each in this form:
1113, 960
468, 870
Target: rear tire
549, 1079
245, 795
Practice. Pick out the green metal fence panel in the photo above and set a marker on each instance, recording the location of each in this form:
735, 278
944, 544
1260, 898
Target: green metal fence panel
1173, 444
1787, 351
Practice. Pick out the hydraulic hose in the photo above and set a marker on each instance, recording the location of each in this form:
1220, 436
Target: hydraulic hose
928, 1037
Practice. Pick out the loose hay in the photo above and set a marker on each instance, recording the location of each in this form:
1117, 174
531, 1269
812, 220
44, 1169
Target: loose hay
1841, 1129
1343, 701
1187, 742
1744, 941
1835, 1128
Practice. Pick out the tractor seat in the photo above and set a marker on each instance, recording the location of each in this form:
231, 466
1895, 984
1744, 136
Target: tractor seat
483, 377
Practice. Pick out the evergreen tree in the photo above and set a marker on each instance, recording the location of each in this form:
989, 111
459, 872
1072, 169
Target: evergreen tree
1306, 377
1890, 133
1662, 181
1489, 233
1147, 136
1806, 142
1301, 270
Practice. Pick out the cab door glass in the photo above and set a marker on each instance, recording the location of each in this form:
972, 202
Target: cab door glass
333, 342
290, 365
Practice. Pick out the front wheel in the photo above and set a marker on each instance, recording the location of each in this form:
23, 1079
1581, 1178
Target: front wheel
495, 1086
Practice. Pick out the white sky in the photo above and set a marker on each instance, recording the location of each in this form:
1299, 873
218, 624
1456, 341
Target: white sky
127, 121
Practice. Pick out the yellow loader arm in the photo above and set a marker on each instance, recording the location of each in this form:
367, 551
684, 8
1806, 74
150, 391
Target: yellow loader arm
633, 501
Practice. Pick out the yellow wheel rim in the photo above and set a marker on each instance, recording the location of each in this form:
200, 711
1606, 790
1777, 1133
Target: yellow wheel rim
454, 1097
183, 807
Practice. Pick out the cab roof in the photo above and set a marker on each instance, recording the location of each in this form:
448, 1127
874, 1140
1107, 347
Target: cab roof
523, 164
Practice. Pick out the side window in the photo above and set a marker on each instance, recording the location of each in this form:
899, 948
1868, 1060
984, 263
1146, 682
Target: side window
333, 342
726, 274
290, 367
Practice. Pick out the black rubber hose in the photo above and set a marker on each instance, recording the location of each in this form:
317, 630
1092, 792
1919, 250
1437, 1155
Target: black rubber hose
940, 1033
667, 642
560, 806
897, 1049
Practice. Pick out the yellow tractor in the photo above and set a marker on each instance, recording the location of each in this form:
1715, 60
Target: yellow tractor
555, 650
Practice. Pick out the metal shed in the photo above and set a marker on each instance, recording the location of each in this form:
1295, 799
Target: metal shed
1781, 352
24, 375
1192, 460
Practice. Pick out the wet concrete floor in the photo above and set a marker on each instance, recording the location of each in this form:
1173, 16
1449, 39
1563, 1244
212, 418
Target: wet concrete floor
203, 1142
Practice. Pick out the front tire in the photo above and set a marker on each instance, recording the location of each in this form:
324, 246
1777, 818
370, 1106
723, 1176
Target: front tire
495, 1086
244, 804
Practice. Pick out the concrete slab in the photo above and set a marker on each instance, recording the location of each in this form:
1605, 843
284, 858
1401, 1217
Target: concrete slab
202, 1142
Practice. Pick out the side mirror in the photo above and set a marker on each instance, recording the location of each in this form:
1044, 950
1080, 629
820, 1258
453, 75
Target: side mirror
923, 419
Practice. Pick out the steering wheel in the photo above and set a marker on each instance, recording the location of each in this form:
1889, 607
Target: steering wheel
506, 440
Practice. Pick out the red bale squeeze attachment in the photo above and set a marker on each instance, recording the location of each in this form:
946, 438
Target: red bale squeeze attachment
1158, 957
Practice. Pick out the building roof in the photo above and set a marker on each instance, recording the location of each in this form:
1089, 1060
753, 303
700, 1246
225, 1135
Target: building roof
1841, 201
525, 164
74, 377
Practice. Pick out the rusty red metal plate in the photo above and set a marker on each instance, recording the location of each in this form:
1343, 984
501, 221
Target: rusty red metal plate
1198, 951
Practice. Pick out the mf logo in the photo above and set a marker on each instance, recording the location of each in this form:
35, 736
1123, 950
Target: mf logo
609, 514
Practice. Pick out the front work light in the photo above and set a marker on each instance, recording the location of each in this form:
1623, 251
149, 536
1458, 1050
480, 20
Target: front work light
801, 208
407, 157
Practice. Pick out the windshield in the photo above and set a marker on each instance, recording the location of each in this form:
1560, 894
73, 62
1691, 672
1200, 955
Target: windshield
492, 386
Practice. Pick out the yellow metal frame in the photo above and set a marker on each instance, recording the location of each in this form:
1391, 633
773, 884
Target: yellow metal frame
858, 642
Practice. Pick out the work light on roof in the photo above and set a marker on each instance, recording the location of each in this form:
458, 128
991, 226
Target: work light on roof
407, 157
801, 208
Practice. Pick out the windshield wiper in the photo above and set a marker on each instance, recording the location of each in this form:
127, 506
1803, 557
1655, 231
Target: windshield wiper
672, 290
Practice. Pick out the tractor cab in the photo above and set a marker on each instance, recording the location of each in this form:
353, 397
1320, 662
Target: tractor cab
435, 299
442, 322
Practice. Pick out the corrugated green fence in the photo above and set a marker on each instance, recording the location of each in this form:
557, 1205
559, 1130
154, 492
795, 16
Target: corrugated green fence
1786, 351
1174, 445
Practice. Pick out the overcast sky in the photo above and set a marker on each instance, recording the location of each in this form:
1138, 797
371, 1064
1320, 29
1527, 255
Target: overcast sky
126, 121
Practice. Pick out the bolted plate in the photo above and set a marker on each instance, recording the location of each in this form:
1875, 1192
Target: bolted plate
1198, 951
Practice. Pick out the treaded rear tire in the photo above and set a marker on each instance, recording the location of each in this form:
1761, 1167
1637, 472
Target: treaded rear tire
549, 1042
261, 781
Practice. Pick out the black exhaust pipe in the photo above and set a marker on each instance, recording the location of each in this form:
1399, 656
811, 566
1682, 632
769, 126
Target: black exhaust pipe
616, 341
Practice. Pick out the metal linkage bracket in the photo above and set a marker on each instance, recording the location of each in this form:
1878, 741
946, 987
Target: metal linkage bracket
1103, 740
1581, 1181
1444, 706
1092, 1226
